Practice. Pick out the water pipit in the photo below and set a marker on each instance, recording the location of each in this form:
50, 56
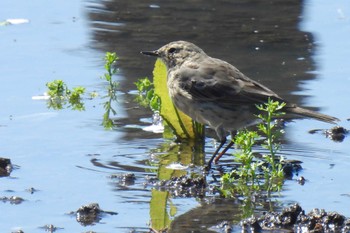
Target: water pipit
215, 93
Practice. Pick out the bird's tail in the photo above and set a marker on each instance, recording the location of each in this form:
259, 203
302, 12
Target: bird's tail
312, 114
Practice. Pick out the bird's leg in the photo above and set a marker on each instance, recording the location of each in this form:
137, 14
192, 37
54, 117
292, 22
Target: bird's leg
233, 133
224, 151
223, 141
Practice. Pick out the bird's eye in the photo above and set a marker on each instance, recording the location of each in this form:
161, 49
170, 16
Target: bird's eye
171, 50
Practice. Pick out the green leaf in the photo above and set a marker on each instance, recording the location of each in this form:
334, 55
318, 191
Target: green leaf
181, 124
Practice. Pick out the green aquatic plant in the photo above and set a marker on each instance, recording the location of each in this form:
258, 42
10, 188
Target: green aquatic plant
146, 96
75, 98
60, 95
156, 95
110, 60
57, 88
254, 174
270, 111
245, 140
112, 87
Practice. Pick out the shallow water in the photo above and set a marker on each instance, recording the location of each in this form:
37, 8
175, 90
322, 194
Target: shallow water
69, 158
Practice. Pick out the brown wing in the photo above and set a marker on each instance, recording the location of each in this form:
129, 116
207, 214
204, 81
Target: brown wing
217, 81
214, 80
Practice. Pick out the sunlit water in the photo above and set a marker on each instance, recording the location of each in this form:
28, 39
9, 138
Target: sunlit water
69, 158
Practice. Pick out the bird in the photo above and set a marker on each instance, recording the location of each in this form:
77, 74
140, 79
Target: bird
215, 93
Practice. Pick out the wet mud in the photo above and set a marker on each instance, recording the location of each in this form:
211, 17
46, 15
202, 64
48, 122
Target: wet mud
182, 186
294, 219
90, 214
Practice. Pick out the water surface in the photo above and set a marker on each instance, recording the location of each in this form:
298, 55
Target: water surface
299, 49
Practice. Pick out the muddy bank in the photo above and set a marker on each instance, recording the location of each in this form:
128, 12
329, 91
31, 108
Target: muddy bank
294, 219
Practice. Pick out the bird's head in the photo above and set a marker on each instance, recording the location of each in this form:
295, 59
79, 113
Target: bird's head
176, 53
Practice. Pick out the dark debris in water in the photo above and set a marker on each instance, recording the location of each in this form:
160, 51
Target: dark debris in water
294, 219
12, 200
31, 190
126, 179
182, 186
90, 214
18, 231
5, 167
337, 133
291, 167
51, 228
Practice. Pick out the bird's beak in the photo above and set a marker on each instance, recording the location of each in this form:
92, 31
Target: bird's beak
150, 53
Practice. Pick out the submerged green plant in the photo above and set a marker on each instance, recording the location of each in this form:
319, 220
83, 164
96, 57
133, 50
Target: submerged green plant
155, 95
245, 140
254, 174
57, 88
60, 95
75, 98
110, 59
270, 111
146, 96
